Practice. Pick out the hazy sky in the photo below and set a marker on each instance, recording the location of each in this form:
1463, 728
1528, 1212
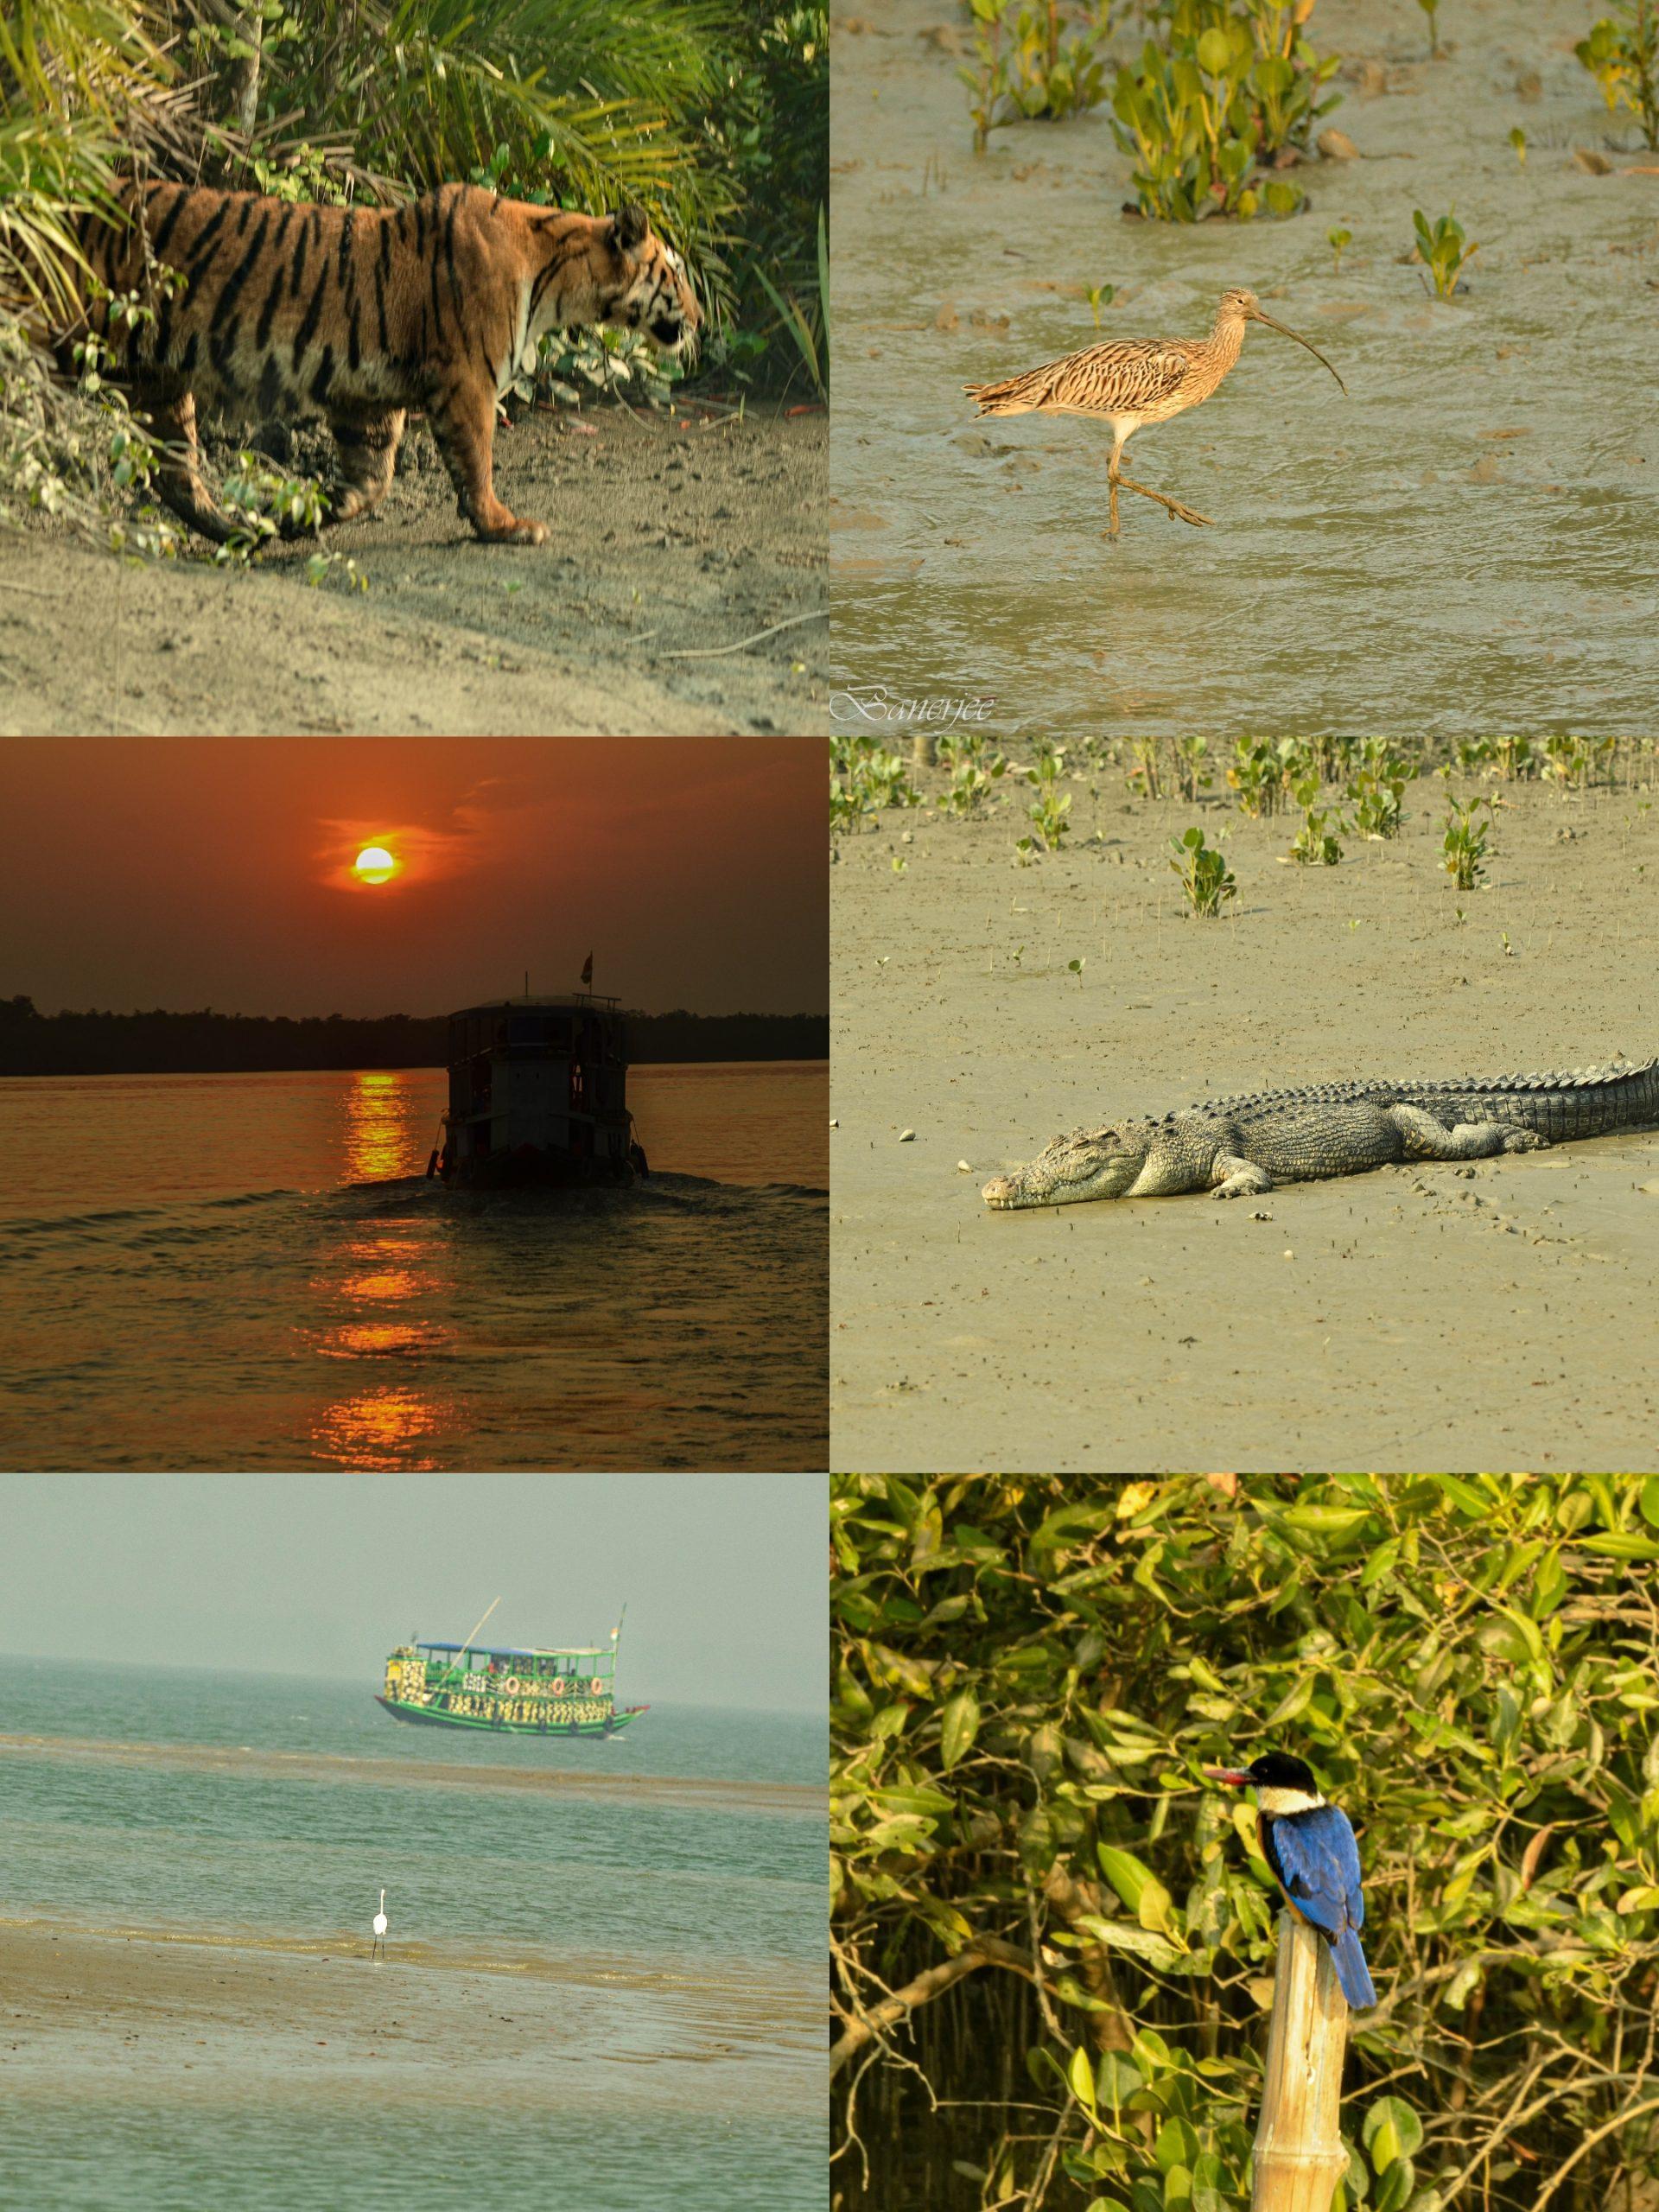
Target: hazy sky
191, 872
724, 1575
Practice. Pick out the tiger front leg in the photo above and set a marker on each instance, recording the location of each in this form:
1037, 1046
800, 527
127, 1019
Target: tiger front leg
179, 481
463, 423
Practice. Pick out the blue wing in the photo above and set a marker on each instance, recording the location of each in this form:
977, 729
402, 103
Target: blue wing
1316, 1858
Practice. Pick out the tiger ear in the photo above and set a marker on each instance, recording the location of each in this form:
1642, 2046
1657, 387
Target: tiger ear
632, 223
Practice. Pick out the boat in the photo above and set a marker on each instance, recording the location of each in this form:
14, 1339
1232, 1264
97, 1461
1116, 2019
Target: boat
513, 1689
538, 1095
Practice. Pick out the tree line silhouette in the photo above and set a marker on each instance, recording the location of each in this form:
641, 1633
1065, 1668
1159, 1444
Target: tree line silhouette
206, 1043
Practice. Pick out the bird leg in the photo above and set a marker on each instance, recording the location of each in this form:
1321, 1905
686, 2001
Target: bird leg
1186, 514
1112, 482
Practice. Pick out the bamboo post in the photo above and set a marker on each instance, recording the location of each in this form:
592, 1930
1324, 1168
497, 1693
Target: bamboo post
1299, 2154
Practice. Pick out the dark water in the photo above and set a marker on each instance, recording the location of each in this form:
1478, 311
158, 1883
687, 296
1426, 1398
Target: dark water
716, 1896
250, 1271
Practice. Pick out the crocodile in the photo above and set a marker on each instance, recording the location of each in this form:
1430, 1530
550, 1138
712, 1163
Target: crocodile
1239, 1147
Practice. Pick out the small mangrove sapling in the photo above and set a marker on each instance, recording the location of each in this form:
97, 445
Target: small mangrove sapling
1441, 248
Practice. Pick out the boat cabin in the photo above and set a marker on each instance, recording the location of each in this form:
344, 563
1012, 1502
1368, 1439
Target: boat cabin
538, 1093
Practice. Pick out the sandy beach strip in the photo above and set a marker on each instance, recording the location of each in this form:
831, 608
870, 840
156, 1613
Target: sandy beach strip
801, 1799
152, 2006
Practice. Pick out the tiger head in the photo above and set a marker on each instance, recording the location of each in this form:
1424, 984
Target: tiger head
647, 288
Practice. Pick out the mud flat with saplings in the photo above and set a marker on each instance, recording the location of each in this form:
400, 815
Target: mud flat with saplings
985, 1006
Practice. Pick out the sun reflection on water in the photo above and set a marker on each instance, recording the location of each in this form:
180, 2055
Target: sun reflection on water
381, 1296
393, 1427
380, 1139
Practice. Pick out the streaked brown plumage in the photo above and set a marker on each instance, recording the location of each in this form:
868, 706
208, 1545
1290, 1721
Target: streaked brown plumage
1129, 381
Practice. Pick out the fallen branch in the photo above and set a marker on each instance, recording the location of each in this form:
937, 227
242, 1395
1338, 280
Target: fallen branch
984, 1951
713, 652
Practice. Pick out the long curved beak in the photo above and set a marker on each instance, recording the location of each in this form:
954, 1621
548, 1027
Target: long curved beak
1232, 1774
1261, 317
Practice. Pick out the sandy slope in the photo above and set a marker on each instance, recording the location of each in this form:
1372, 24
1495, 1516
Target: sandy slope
666, 539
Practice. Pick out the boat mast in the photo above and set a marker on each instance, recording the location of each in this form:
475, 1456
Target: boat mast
615, 1635
479, 1622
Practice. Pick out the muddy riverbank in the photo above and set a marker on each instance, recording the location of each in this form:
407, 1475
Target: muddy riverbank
1465, 543
674, 536
1439, 1313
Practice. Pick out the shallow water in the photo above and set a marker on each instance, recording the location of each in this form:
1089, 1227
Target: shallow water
251, 1271
111, 1841
127, 2156
1465, 543
707, 1898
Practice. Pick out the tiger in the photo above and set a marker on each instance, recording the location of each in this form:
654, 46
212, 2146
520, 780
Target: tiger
277, 306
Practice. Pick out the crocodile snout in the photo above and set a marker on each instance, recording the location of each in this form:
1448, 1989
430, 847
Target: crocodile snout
998, 1191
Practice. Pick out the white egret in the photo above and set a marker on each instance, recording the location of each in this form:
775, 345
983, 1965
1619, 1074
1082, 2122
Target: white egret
379, 1927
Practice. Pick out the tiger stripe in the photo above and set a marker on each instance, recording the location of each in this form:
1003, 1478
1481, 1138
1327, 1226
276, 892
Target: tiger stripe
363, 312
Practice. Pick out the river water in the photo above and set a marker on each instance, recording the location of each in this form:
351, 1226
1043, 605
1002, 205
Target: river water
649, 1956
248, 1271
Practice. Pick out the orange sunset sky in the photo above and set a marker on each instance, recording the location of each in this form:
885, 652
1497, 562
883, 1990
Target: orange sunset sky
183, 872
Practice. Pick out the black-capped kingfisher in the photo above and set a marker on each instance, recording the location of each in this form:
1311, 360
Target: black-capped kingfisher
1310, 1846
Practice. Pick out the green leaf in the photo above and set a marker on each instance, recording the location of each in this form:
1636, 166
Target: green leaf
1650, 1500
1116, 2079
1080, 2075
1452, 1487
1393, 2188
1619, 1546
1176, 2146
1215, 51
1392, 2130
1124, 1937
1325, 1520
1139, 1887
958, 1725
1295, 1703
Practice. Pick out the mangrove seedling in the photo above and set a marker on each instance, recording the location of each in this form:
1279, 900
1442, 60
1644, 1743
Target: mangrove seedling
1098, 296
1023, 66
1206, 878
1190, 757
1377, 787
1431, 10
865, 778
1465, 841
1441, 248
1336, 240
1048, 817
1143, 778
1318, 843
1518, 140
1622, 55
988, 78
970, 780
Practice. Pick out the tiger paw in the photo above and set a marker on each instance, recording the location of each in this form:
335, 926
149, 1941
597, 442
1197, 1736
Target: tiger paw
517, 529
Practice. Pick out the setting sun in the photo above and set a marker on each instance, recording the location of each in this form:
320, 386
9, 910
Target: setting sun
374, 864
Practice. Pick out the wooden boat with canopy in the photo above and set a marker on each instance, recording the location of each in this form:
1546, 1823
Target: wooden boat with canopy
558, 1690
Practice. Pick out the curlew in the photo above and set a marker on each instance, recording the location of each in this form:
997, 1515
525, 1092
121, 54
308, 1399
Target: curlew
1129, 381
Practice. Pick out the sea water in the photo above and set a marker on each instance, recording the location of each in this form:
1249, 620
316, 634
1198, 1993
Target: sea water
249, 1271
729, 1891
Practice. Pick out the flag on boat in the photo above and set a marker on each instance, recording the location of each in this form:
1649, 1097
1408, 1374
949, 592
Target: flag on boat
587, 969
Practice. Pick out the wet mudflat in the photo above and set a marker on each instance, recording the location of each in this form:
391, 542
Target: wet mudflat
1437, 1312
672, 538
1467, 541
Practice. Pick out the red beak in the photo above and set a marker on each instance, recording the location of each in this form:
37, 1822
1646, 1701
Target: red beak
1228, 1774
